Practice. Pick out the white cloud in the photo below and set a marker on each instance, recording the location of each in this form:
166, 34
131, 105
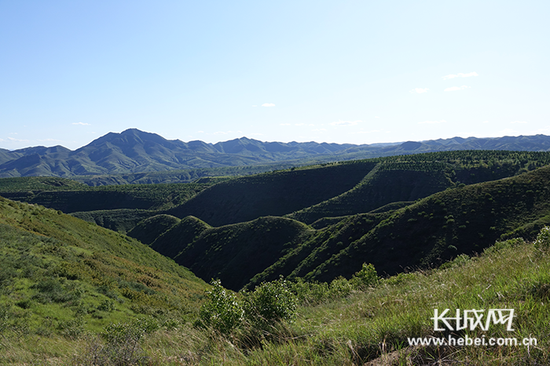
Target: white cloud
299, 124
431, 122
455, 88
518, 122
419, 90
460, 75
81, 123
345, 123
268, 105
284, 124
319, 129
17, 140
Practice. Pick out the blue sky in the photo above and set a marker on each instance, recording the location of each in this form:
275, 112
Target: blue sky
335, 71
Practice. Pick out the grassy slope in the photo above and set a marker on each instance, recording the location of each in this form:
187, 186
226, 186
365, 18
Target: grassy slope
69, 196
465, 219
448, 223
275, 193
374, 325
233, 253
385, 184
61, 274
371, 325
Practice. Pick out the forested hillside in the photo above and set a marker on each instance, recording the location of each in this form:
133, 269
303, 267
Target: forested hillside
69, 196
407, 231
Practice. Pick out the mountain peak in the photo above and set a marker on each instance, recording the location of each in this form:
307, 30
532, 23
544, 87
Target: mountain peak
136, 151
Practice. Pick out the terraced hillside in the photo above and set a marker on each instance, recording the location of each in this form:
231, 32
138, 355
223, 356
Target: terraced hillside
70, 196
276, 194
460, 219
308, 194
426, 233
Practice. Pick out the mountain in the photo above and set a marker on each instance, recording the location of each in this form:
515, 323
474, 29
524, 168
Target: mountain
134, 151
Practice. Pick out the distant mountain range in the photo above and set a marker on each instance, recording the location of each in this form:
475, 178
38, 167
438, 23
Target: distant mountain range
135, 151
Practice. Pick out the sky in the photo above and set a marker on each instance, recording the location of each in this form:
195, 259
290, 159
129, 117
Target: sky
346, 71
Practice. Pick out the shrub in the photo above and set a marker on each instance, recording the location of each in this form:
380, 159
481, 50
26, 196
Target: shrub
222, 312
122, 345
339, 287
310, 293
542, 242
271, 302
366, 277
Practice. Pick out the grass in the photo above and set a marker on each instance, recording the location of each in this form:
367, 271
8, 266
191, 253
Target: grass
369, 325
63, 276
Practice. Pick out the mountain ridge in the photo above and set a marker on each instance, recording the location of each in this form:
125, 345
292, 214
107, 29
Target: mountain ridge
136, 151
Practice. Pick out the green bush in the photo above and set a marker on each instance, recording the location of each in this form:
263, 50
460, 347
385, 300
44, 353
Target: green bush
366, 277
339, 288
222, 311
542, 242
310, 293
271, 302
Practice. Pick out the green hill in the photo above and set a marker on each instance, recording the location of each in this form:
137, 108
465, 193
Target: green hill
59, 274
69, 196
337, 189
232, 253
148, 230
386, 183
275, 194
426, 233
356, 210
464, 219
